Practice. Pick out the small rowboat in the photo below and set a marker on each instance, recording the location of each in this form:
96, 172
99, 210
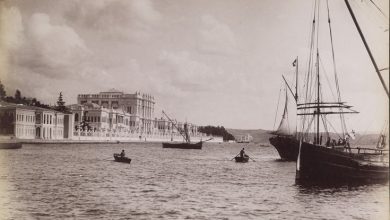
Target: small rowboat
119, 158
242, 159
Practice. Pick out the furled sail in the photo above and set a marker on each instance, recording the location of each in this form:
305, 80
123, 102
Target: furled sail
383, 140
288, 123
186, 132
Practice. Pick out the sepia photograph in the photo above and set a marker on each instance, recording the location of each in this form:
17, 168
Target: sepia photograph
196, 109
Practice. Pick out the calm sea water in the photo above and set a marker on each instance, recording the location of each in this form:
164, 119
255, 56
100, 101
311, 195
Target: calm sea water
82, 182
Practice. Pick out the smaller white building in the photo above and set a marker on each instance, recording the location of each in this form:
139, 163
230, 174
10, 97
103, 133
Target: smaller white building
30, 122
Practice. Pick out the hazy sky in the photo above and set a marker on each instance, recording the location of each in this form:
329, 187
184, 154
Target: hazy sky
210, 62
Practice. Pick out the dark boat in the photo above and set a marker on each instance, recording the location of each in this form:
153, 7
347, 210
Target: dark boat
186, 136
10, 145
319, 163
243, 159
329, 162
286, 146
183, 145
119, 158
285, 139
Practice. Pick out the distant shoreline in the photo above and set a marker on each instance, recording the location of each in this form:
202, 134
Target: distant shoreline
35, 141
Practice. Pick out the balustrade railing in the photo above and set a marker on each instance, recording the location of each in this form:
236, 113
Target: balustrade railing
131, 135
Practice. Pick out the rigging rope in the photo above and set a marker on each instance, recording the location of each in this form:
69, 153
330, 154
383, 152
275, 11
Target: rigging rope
379, 9
309, 68
323, 117
335, 131
288, 121
277, 106
327, 79
342, 119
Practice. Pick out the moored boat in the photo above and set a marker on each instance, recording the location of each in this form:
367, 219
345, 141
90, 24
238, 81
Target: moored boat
10, 145
186, 144
119, 158
325, 161
319, 163
286, 146
183, 145
285, 139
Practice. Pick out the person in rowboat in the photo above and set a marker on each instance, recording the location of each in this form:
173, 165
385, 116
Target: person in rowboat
123, 153
242, 153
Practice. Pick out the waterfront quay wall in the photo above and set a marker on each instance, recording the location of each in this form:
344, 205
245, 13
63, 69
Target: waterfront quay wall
130, 136
99, 137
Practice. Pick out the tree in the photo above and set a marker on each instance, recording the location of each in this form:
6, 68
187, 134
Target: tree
61, 104
60, 101
217, 131
34, 102
3, 94
18, 96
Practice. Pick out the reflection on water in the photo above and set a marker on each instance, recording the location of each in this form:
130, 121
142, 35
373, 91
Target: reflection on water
83, 182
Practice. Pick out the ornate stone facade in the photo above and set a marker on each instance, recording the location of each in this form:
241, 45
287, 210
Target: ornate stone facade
30, 122
138, 107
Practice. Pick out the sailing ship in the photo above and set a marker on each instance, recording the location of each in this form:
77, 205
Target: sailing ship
285, 138
245, 139
320, 159
186, 136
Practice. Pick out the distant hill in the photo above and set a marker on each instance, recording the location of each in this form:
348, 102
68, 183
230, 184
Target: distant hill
261, 136
366, 139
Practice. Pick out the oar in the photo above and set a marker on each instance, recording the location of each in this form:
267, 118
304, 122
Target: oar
251, 158
107, 158
208, 140
235, 156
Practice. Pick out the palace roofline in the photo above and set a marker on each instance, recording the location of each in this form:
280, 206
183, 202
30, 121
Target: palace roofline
7, 105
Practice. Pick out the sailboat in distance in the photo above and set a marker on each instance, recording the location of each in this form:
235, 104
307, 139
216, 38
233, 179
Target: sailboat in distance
320, 156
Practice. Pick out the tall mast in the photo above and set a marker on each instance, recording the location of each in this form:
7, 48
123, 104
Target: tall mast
296, 82
367, 48
318, 99
296, 95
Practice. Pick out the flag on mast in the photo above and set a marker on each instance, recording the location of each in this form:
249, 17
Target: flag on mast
295, 62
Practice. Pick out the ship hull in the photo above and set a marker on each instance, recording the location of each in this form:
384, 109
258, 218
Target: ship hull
318, 163
10, 145
287, 147
183, 145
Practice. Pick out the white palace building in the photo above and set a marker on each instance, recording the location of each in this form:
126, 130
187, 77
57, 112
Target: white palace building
106, 116
30, 122
117, 115
118, 111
